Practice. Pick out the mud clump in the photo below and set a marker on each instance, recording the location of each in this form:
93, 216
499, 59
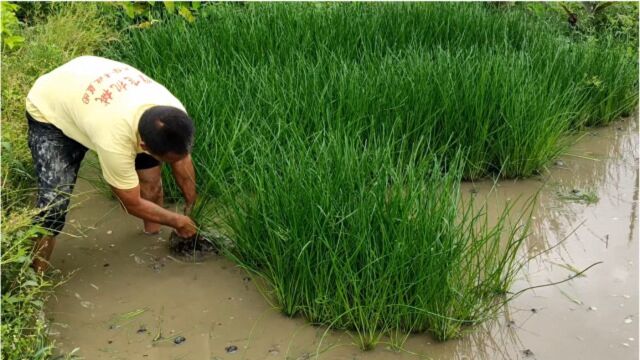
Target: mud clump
195, 248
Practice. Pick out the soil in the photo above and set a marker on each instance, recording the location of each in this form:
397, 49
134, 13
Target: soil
128, 296
196, 248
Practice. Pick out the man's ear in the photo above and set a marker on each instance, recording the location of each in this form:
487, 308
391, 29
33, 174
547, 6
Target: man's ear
144, 146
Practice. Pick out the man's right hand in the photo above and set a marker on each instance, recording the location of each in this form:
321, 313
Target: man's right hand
147, 210
186, 227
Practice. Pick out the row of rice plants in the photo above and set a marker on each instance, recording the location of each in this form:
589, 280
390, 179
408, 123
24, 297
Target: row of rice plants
510, 104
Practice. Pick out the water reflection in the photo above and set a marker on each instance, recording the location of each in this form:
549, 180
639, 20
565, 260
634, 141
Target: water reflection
613, 162
570, 235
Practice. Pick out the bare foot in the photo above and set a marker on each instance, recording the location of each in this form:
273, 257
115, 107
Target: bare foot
151, 228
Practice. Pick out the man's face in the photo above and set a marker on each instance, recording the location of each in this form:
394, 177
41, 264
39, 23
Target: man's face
169, 157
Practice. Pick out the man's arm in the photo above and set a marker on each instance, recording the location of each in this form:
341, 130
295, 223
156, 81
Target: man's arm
139, 207
185, 176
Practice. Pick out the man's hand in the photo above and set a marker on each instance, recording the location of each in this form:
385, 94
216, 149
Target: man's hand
186, 227
147, 210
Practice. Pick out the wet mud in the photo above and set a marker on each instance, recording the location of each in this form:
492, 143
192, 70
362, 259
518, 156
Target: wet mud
195, 248
129, 296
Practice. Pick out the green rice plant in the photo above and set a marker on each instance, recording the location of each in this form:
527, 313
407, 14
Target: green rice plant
353, 238
610, 80
505, 88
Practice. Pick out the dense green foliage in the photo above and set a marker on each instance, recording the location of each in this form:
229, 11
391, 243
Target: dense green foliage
506, 88
10, 25
591, 19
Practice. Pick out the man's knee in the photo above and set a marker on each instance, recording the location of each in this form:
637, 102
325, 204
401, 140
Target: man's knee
53, 205
151, 189
52, 216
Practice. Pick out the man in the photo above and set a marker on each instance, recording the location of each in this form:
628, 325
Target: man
131, 122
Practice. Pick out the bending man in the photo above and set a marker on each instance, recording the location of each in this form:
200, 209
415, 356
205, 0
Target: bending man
131, 122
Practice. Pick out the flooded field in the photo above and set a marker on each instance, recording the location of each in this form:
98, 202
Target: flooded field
128, 298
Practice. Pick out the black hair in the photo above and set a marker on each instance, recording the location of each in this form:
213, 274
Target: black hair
165, 129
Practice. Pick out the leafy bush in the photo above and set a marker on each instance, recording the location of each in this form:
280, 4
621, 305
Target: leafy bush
10, 25
591, 19
143, 15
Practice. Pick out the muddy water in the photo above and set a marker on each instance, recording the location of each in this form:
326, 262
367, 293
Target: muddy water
127, 291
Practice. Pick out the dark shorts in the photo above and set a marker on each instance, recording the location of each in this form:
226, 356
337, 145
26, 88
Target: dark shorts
56, 159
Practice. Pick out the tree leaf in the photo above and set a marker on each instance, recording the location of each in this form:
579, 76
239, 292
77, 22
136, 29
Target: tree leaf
186, 13
170, 6
140, 8
128, 9
13, 40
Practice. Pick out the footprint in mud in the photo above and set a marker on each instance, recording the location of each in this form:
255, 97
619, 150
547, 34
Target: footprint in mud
196, 248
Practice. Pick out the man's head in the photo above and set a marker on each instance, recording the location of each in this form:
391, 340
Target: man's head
166, 133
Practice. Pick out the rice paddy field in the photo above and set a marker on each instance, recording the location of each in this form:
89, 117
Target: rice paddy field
418, 180
332, 140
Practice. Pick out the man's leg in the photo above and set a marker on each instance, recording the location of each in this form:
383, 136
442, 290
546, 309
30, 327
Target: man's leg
150, 174
43, 249
56, 159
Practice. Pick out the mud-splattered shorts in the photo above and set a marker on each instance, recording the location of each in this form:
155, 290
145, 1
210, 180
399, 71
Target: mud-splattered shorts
56, 159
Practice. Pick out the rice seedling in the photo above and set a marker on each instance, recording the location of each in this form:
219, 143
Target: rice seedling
588, 196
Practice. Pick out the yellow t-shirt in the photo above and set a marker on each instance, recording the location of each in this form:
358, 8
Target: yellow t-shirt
98, 102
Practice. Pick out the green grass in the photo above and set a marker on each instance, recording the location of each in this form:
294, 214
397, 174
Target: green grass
24, 329
332, 139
